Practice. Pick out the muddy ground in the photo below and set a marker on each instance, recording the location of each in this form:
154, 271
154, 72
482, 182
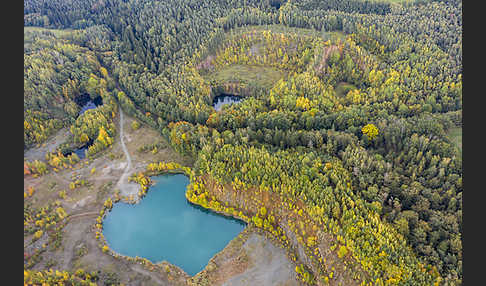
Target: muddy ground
249, 259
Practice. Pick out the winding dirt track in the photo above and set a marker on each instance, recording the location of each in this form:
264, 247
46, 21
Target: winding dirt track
123, 178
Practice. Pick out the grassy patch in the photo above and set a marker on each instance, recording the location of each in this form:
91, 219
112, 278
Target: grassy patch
455, 135
276, 28
262, 76
396, 1
343, 88
333, 36
142, 142
56, 32
399, 1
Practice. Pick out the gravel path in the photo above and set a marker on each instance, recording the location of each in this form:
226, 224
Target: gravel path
83, 214
129, 160
126, 188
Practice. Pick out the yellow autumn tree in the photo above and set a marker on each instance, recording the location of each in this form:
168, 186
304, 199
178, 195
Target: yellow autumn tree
61, 212
108, 203
303, 103
84, 138
38, 234
104, 138
135, 125
370, 130
104, 72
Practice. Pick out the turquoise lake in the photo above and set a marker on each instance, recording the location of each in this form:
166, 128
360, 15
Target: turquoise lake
165, 226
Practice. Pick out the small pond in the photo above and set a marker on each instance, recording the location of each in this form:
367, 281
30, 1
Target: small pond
165, 226
86, 103
80, 151
223, 99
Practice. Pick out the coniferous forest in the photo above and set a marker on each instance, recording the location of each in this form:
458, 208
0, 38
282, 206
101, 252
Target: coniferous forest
341, 147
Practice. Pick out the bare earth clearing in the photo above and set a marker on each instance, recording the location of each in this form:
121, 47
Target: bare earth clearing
241, 262
126, 188
38, 153
249, 259
269, 265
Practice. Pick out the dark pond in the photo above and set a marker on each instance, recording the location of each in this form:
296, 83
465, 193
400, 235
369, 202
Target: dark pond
275, 3
81, 151
86, 102
166, 226
223, 99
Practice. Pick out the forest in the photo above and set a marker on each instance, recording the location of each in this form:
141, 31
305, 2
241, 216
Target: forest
351, 131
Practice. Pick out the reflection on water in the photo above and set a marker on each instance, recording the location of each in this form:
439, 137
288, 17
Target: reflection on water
223, 99
81, 151
91, 104
165, 226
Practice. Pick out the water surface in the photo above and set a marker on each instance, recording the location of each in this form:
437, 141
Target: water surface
91, 104
80, 151
224, 99
165, 226
86, 103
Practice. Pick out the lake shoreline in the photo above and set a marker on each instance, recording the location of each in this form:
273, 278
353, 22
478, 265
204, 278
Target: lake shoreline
171, 214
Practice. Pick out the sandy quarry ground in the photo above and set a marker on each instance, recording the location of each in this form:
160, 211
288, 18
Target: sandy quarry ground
126, 188
39, 152
268, 265
249, 259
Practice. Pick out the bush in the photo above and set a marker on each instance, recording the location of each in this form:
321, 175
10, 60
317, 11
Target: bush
135, 125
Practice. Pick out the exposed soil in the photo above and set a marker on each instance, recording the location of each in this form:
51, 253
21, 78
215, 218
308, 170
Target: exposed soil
79, 247
126, 188
269, 265
39, 152
249, 257
325, 55
343, 269
206, 64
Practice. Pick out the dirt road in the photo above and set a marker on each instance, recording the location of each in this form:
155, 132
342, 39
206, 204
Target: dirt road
126, 188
